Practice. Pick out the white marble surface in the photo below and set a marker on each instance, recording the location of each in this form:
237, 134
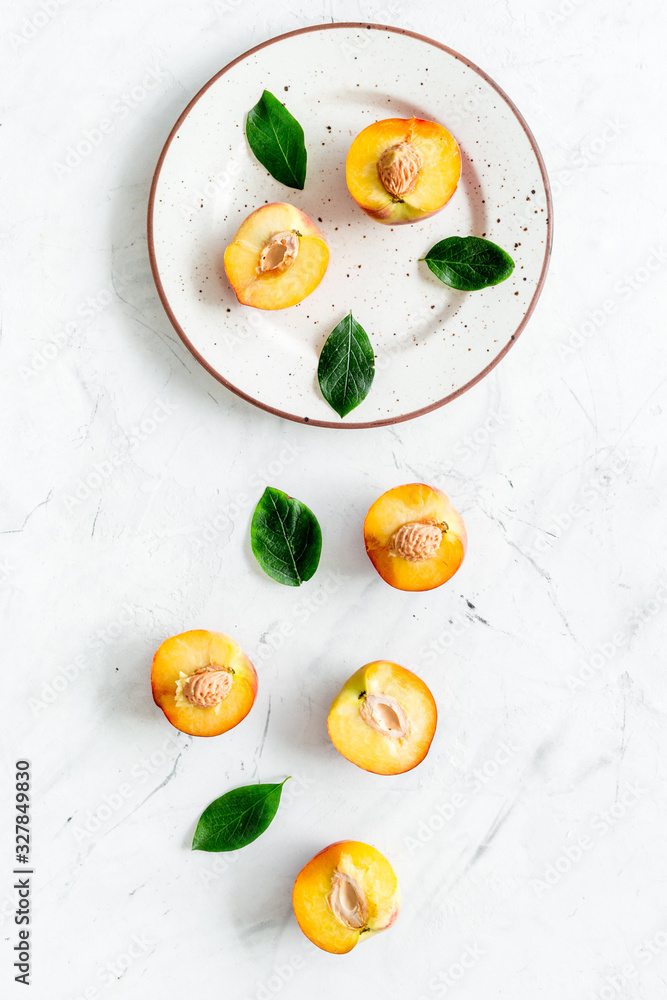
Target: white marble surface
531, 843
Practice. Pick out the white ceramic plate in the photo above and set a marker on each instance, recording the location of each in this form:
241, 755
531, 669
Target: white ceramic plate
432, 342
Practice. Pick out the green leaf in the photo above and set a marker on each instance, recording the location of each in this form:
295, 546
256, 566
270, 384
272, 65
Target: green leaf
276, 139
469, 263
237, 818
347, 366
286, 538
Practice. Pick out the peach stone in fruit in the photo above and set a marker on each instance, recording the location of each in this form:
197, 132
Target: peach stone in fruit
203, 682
277, 257
346, 893
403, 170
383, 719
414, 537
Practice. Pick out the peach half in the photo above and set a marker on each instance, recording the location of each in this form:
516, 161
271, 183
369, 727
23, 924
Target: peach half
203, 682
414, 537
277, 257
403, 169
346, 893
383, 719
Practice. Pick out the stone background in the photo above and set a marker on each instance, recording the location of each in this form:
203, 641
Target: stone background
531, 843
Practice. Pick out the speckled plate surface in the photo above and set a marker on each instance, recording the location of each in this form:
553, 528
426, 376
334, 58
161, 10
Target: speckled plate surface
431, 342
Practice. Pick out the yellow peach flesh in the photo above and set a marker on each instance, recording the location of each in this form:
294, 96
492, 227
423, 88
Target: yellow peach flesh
418, 504
369, 748
311, 896
181, 656
275, 287
439, 173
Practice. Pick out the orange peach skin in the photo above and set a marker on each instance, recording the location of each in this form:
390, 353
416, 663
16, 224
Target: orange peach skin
313, 885
186, 653
369, 749
438, 179
275, 291
401, 505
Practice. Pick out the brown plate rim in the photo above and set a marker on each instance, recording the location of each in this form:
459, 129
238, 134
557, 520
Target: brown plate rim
361, 25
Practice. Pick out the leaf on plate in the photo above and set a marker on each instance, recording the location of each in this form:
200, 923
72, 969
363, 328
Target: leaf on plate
347, 366
276, 139
469, 262
237, 818
286, 538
